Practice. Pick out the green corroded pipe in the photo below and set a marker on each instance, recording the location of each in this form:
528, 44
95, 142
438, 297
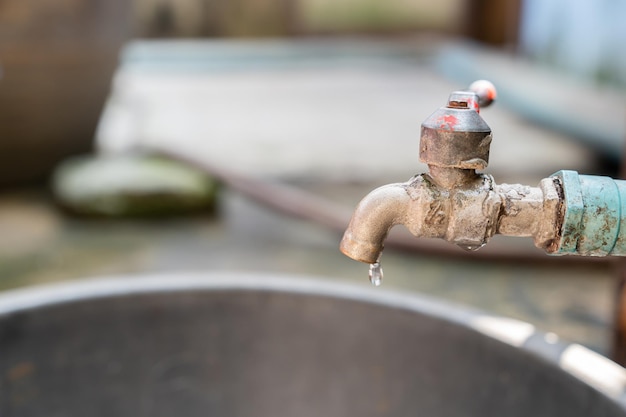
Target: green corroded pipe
594, 220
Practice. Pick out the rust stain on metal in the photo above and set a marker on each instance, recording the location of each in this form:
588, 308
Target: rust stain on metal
554, 245
458, 104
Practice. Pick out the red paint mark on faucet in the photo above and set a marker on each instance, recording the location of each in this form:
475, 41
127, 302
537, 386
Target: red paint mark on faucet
447, 122
473, 104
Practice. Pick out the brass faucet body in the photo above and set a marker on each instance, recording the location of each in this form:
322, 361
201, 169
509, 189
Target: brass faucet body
467, 216
452, 201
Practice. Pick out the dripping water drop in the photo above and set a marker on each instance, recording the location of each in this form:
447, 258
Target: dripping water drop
472, 248
376, 274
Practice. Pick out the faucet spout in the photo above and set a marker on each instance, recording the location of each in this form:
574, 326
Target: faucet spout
467, 216
375, 215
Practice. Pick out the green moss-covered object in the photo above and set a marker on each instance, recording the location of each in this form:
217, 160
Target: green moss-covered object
132, 185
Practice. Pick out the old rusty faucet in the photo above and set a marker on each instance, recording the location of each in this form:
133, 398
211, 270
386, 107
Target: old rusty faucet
566, 213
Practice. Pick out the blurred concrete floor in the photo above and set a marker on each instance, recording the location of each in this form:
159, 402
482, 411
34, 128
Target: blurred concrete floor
39, 244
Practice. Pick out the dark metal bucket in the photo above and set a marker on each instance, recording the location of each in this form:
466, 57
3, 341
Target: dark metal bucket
261, 346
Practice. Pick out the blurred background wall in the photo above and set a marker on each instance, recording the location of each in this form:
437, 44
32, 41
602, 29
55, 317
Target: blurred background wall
255, 18
58, 56
582, 37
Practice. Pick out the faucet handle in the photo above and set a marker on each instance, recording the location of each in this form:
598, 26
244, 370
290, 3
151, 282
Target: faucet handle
485, 90
455, 136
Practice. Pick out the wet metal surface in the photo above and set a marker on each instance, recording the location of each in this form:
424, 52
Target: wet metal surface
267, 345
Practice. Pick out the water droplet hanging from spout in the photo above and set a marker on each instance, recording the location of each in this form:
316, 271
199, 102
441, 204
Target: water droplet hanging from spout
376, 274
